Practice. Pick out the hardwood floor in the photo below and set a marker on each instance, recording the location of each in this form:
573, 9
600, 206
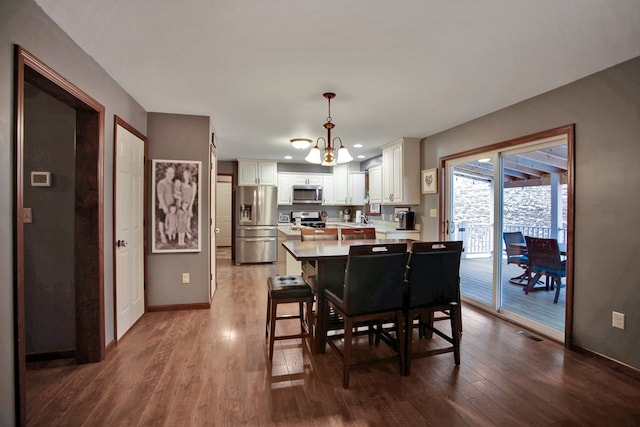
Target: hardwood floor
209, 367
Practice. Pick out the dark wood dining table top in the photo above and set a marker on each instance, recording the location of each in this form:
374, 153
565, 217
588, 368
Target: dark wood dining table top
332, 249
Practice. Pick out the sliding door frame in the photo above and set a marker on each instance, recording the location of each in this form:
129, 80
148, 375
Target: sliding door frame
568, 132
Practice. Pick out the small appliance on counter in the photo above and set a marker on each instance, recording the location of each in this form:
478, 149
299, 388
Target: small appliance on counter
406, 220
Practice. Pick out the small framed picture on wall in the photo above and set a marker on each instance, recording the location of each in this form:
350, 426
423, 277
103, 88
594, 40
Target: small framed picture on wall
429, 181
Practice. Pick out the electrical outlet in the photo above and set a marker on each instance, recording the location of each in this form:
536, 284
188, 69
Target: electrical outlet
186, 278
617, 320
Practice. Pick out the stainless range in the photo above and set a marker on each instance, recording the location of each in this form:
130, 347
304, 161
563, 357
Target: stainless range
308, 219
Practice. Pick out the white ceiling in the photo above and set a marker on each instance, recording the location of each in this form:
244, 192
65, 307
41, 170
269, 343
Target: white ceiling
403, 68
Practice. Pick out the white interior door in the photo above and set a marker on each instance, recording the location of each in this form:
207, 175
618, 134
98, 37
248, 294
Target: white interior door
129, 230
224, 211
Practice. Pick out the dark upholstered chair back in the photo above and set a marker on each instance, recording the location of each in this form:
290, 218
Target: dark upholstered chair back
434, 273
374, 278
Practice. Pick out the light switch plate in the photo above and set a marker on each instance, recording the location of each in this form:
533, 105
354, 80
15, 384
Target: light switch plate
186, 278
433, 213
27, 218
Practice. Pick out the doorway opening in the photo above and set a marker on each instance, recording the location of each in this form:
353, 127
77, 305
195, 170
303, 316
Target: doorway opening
87, 213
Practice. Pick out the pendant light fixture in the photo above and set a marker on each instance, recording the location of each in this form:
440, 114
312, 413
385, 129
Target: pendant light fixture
329, 158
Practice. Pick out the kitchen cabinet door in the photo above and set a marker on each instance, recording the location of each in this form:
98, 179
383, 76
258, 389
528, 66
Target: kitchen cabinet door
401, 172
340, 192
375, 184
257, 172
285, 184
327, 190
355, 188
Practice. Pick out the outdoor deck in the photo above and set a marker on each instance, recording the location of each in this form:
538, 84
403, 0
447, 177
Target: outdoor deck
476, 283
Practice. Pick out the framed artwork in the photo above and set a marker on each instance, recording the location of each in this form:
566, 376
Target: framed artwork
373, 209
429, 181
176, 206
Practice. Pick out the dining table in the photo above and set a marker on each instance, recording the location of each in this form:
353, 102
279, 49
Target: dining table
323, 266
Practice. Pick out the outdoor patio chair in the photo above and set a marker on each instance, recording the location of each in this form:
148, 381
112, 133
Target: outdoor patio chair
515, 247
544, 258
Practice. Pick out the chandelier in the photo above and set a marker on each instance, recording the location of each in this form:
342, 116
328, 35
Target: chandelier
329, 158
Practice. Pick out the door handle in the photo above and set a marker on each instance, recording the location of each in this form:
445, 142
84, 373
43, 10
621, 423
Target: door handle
121, 243
217, 229
446, 228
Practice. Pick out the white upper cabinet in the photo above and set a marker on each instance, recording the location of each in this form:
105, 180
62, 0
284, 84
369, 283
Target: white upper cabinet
355, 188
285, 184
257, 172
401, 172
327, 190
308, 179
375, 184
340, 193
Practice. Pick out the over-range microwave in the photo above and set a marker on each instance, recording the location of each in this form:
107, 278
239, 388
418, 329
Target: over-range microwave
307, 194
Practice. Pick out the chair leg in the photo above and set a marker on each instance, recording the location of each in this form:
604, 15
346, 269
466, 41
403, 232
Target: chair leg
408, 344
558, 281
266, 325
310, 322
456, 331
272, 327
401, 330
346, 352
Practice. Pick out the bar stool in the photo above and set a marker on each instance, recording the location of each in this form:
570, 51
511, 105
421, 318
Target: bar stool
283, 290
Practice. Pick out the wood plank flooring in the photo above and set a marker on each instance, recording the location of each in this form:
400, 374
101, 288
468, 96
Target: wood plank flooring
210, 367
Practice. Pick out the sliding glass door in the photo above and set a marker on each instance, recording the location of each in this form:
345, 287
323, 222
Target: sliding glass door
522, 189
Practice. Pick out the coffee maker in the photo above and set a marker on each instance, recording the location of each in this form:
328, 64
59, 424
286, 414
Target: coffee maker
406, 220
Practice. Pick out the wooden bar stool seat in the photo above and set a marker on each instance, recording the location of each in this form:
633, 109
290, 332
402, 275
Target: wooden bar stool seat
284, 290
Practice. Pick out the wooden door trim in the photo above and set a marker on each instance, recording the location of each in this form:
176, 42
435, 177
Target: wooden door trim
89, 222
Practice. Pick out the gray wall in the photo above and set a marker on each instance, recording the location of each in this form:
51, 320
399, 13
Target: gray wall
22, 22
605, 108
180, 137
49, 293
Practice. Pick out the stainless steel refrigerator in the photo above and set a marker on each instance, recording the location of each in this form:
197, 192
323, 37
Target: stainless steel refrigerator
256, 237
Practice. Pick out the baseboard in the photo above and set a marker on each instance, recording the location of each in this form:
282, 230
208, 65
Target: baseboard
51, 355
176, 307
609, 363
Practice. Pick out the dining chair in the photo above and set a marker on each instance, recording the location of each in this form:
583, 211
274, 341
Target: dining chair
544, 258
515, 247
358, 233
308, 233
433, 278
373, 290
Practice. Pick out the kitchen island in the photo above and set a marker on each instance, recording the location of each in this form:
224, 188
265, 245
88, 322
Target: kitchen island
289, 232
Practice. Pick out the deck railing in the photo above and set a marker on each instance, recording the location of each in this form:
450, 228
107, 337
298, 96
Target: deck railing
478, 238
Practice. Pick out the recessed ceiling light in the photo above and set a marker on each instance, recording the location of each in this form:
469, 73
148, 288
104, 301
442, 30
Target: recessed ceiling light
288, 157
361, 156
357, 145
